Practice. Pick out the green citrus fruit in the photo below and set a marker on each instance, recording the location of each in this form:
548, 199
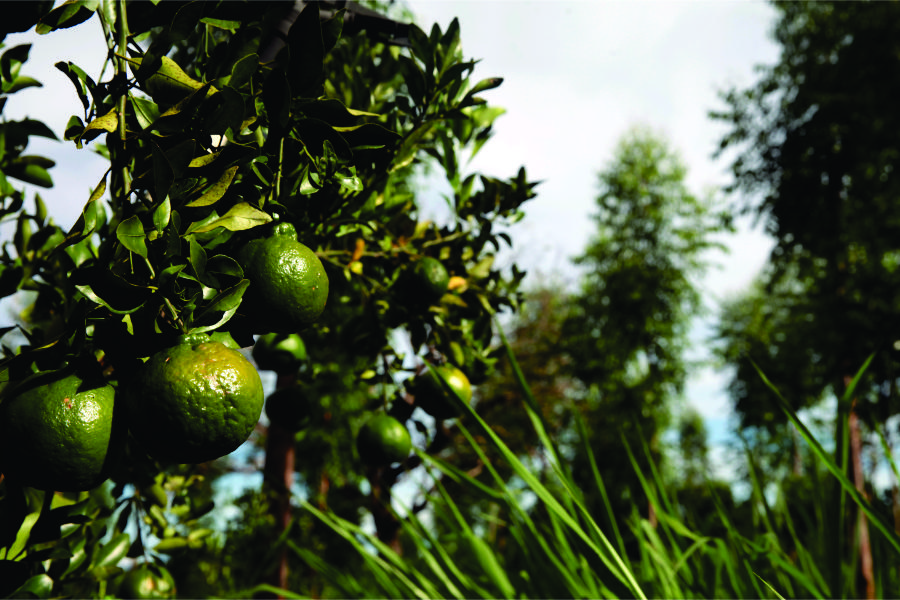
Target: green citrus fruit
430, 280
383, 440
195, 401
288, 284
433, 398
147, 581
279, 352
289, 407
58, 432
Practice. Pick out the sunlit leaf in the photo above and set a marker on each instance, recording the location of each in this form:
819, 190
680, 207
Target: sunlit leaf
218, 189
239, 218
130, 234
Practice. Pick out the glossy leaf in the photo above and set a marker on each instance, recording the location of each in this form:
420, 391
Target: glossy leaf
169, 82
218, 189
40, 586
113, 551
162, 214
239, 218
146, 111
130, 234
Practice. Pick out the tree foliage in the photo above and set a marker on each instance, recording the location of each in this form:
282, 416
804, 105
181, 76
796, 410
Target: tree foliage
815, 143
627, 331
214, 130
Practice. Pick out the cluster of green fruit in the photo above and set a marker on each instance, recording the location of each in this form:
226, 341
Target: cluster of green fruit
200, 398
193, 401
382, 439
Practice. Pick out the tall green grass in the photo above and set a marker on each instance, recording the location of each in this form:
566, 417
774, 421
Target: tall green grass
553, 546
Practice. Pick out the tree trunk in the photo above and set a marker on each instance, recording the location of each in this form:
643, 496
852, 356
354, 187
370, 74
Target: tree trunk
865, 544
278, 476
386, 525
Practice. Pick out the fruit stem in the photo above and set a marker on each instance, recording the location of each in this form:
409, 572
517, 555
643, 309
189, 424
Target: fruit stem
175, 316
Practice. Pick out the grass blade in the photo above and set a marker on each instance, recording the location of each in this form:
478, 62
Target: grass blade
838, 473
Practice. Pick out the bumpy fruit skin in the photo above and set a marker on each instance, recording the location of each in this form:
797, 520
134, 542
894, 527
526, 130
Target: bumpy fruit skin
288, 284
145, 581
59, 432
279, 352
194, 402
433, 398
383, 440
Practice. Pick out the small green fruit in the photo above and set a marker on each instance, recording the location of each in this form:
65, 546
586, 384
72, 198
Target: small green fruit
279, 352
433, 398
383, 440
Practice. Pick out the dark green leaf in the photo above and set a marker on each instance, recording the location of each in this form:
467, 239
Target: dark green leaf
20, 83
74, 129
315, 133
486, 84
225, 111
31, 173
307, 50
224, 265
331, 30
83, 84
277, 98
40, 586
228, 299
243, 71
421, 46
10, 279
146, 111
67, 14
163, 174
198, 257
11, 62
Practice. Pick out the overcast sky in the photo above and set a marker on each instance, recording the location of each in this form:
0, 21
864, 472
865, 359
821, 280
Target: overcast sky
576, 75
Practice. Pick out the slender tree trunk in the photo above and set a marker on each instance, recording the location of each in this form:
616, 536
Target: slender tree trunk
278, 476
865, 544
386, 525
798, 458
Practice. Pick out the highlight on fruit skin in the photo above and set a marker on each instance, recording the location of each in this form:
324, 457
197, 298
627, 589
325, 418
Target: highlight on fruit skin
279, 352
60, 431
432, 396
288, 283
147, 580
195, 401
